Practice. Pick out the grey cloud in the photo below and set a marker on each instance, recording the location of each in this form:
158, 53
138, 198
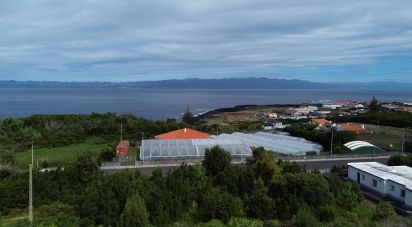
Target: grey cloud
120, 40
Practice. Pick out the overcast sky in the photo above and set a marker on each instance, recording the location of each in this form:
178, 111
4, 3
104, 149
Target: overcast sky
125, 40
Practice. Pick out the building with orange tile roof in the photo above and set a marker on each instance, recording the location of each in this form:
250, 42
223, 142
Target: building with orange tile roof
358, 129
320, 121
185, 133
408, 109
122, 148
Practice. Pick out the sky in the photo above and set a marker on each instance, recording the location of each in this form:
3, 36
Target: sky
133, 40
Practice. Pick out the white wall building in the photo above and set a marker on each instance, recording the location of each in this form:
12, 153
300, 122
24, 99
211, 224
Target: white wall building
394, 182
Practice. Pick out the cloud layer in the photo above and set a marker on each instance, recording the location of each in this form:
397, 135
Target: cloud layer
125, 40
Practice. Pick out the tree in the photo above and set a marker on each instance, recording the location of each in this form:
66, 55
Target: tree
384, 210
56, 214
188, 117
14, 135
244, 222
374, 105
306, 218
216, 161
134, 213
292, 190
263, 165
347, 197
259, 205
399, 159
215, 204
290, 167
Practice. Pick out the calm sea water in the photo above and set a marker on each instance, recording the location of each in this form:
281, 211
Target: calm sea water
162, 104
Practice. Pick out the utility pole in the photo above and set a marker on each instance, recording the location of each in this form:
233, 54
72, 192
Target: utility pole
403, 139
31, 195
331, 144
32, 153
378, 127
31, 186
121, 131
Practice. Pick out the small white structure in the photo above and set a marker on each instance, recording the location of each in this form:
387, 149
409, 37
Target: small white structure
273, 125
332, 106
272, 115
394, 182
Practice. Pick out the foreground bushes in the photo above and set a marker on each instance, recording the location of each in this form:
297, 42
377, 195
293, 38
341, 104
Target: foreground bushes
217, 193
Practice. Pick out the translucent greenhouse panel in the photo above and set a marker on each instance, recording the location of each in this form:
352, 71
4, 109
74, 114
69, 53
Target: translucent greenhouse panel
173, 151
155, 151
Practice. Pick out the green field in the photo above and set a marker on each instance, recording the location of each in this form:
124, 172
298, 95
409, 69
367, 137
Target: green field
60, 155
385, 136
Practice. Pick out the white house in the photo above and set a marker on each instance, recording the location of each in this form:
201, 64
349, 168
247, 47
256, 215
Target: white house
332, 106
394, 182
273, 125
272, 115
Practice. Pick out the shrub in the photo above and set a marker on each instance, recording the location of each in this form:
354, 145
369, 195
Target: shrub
384, 210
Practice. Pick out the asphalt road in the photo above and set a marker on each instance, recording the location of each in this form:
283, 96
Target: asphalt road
324, 164
320, 164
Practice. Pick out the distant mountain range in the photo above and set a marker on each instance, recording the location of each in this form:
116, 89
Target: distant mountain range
229, 83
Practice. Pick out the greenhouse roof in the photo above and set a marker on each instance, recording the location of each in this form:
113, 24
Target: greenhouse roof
280, 143
358, 144
190, 148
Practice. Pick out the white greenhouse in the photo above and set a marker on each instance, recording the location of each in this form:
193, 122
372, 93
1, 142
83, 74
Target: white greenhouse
279, 143
190, 148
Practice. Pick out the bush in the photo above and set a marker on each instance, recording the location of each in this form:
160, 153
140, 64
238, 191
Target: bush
399, 159
348, 197
306, 218
383, 211
244, 222
326, 213
45, 164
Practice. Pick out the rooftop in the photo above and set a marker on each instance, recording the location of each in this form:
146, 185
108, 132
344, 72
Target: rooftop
358, 144
185, 133
321, 121
353, 128
399, 174
190, 148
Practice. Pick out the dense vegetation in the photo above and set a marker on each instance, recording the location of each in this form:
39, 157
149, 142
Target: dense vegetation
387, 118
49, 131
400, 160
56, 130
261, 193
322, 137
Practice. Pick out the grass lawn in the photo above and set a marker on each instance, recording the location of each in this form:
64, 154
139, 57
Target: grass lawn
14, 216
59, 155
243, 115
385, 136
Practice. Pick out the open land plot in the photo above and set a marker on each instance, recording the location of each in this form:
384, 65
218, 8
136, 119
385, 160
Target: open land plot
242, 115
59, 155
385, 136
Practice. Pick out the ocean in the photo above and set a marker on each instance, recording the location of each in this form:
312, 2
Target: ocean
167, 103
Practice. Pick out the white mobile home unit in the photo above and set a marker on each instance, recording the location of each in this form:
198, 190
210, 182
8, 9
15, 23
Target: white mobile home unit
394, 182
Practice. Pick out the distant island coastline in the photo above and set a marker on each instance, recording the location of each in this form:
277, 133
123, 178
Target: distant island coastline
229, 83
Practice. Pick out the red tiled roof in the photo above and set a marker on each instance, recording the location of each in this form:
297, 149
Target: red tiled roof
353, 128
185, 133
321, 121
122, 148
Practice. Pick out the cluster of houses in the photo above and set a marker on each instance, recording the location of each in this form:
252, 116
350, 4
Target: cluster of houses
324, 125
329, 108
405, 107
323, 109
333, 108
